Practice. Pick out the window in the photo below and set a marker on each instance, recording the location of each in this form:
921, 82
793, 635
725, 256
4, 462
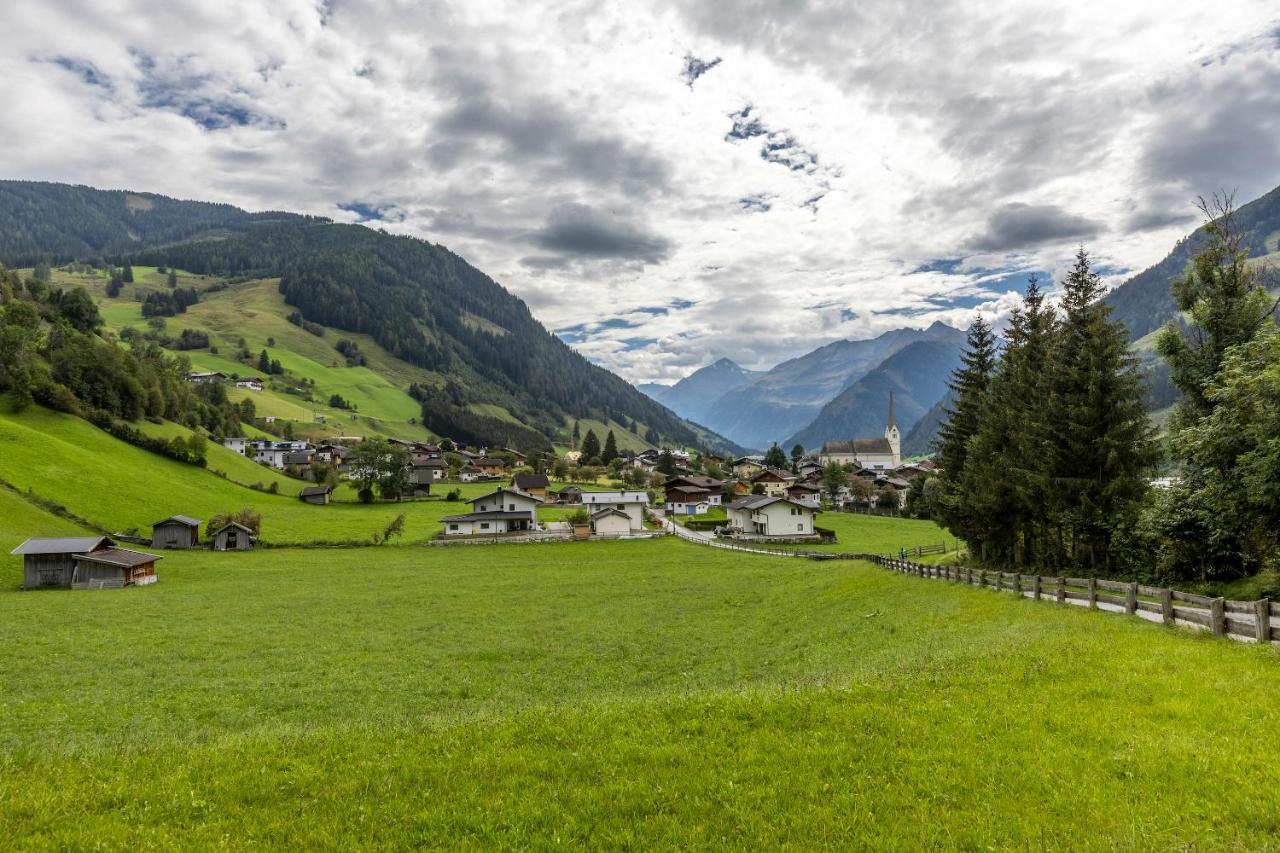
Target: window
511, 507
800, 528
453, 527
483, 507
621, 506
484, 525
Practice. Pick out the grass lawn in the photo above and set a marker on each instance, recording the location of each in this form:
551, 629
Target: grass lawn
633, 694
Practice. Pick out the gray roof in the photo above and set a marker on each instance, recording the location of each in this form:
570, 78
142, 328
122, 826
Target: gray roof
181, 519
761, 501
858, 445
601, 513
311, 491
120, 557
61, 545
234, 524
531, 481
489, 516
507, 490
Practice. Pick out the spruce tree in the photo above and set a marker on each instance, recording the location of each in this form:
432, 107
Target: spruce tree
127, 275
1099, 438
968, 386
590, 446
774, 457
610, 451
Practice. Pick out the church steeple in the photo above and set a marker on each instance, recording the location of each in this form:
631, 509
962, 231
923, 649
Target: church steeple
891, 433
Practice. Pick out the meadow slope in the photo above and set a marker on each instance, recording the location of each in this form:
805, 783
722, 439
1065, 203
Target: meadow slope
632, 694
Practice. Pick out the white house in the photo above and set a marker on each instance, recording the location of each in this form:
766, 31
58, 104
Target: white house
763, 515
688, 500
236, 445
502, 511
249, 384
610, 522
633, 504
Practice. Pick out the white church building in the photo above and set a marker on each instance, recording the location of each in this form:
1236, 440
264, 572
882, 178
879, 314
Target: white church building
878, 454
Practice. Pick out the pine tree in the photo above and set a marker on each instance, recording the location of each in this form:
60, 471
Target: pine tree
797, 453
774, 457
969, 383
610, 451
1100, 447
173, 278
127, 275
264, 362
590, 446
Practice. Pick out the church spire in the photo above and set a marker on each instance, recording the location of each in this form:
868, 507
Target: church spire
893, 419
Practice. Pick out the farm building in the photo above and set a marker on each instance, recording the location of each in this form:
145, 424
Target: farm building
610, 522
233, 537
176, 531
110, 568
316, 494
51, 562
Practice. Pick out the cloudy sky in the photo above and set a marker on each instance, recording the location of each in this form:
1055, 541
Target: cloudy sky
667, 183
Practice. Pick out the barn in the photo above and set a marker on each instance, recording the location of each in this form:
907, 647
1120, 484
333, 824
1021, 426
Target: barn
233, 537
51, 561
112, 568
316, 494
176, 531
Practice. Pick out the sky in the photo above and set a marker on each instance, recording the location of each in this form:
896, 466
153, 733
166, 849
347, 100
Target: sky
669, 183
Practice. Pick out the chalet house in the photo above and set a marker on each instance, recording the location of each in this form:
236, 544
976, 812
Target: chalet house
610, 522
319, 495
469, 473
633, 504
808, 469
249, 384
278, 454
235, 445
51, 561
805, 493
520, 458
297, 458
763, 515
533, 484
687, 500
111, 568
206, 376
429, 470
712, 486
879, 454
570, 495
420, 453
747, 467
233, 537
176, 531
490, 465
503, 511
774, 481
646, 461
331, 454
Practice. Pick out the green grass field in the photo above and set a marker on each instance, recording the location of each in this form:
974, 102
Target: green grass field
635, 694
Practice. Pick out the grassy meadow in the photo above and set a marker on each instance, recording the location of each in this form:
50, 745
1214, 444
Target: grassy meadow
649, 694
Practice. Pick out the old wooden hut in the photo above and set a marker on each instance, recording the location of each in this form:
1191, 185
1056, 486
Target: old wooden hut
51, 561
112, 568
316, 494
176, 531
233, 537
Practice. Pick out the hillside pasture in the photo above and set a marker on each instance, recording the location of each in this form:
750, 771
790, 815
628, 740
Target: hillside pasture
633, 694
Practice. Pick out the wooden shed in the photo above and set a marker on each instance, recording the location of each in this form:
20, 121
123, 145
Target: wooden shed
51, 561
233, 537
176, 531
113, 568
316, 494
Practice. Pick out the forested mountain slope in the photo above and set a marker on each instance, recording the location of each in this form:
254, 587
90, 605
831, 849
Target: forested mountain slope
420, 302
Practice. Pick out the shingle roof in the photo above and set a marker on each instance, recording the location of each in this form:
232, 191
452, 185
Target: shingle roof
507, 490
311, 491
760, 501
858, 445
181, 519
489, 516
61, 545
120, 557
601, 513
234, 524
531, 481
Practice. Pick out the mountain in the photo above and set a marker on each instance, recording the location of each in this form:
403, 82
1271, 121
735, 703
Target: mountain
458, 346
694, 396
1145, 302
917, 377
786, 398
918, 441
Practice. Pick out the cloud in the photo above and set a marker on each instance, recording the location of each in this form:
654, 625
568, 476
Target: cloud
580, 231
1019, 227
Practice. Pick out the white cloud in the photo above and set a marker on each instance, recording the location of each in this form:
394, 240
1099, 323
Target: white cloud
567, 151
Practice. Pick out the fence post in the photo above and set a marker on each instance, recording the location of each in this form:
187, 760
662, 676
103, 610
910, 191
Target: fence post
1262, 620
1061, 597
982, 578
1093, 593
1166, 606
1035, 587
1131, 599
1217, 616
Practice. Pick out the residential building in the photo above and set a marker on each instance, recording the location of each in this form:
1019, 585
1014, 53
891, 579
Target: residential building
633, 504
764, 515
774, 481
505, 510
533, 484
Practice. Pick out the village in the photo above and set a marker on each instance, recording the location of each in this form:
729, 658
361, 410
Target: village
755, 498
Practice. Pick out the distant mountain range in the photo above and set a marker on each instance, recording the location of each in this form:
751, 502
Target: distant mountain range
756, 409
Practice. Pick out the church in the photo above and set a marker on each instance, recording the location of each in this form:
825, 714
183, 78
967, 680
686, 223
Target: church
878, 454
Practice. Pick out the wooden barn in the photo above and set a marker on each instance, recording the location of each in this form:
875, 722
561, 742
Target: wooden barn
51, 562
233, 537
316, 494
113, 568
176, 531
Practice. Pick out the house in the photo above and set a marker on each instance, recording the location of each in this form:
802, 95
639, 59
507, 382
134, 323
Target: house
711, 485
113, 568
774, 481
469, 474
297, 458
429, 470
747, 467
233, 537
899, 485
206, 376
505, 510
249, 384
51, 561
176, 531
688, 500
490, 465
879, 454
520, 458
808, 470
633, 504
805, 493
278, 454
331, 454
570, 495
610, 521
764, 515
235, 445
534, 484
316, 494
420, 453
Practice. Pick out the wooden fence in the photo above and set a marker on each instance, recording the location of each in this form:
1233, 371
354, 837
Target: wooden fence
922, 550
1251, 620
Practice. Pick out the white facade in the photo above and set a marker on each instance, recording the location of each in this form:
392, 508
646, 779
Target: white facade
770, 517
500, 511
632, 503
611, 524
235, 444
